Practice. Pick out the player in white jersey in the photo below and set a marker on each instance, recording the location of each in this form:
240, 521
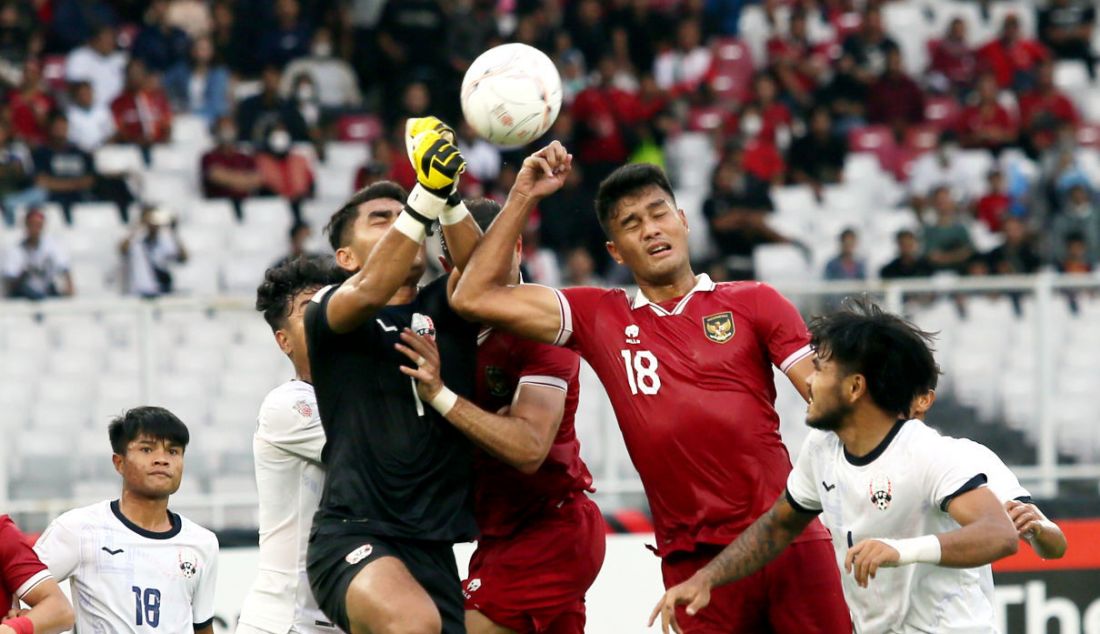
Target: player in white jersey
134, 565
287, 450
1043, 535
911, 520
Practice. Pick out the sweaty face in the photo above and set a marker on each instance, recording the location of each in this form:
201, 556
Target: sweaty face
375, 218
649, 235
152, 467
827, 409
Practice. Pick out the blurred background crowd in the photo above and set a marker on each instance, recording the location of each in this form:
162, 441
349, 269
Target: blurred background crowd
970, 126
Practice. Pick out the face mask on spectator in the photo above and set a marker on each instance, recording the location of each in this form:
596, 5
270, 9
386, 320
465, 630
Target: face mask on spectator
322, 49
305, 92
279, 141
227, 135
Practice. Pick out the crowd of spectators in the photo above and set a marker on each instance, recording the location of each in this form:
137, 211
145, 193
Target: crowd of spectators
274, 78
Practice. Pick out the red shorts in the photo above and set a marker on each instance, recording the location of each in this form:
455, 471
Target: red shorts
798, 592
535, 580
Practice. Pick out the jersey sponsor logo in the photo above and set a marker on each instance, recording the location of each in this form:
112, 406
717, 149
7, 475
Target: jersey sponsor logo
111, 552
719, 328
304, 409
882, 491
828, 487
386, 327
189, 564
632, 331
359, 554
496, 381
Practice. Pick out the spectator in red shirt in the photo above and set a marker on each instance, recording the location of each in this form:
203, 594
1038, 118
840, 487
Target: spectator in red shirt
25, 577
30, 105
775, 116
895, 99
993, 208
1012, 59
227, 171
953, 64
1044, 109
142, 112
761, 158
986, 123
603, 112
283, 171
794, 61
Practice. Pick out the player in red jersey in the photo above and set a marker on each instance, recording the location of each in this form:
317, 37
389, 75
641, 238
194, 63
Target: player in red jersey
24, 577
530, 500
687, 364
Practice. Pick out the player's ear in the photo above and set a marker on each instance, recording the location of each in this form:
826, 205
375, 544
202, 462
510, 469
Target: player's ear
613, 251
283, 340
346, 260
683, 218
856, 386
117, 461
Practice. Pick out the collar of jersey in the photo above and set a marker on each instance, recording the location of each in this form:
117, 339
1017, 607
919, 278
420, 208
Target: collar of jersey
177, 524
863, 461
703, 283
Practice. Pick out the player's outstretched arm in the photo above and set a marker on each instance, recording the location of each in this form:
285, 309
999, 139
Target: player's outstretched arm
759, 544
484, 293
521, 438
985, 534
1045, 537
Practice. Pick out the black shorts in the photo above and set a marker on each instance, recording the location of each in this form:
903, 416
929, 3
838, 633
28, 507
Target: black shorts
332, 561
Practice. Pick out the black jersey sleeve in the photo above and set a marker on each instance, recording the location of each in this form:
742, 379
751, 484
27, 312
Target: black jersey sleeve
318, 331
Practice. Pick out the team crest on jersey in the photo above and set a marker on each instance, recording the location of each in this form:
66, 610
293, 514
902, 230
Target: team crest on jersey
304, 409
359, 554
496, 381
423, 325
881, 491
189, 564
719, 328
632, 331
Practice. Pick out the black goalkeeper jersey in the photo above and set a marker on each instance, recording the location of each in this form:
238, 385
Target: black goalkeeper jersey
394, 466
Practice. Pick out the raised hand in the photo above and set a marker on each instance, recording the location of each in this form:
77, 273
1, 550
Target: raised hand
544, 172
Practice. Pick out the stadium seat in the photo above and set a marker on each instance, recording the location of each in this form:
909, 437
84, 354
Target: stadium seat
1071, 76
197, 278
267, 212
334, 182
173, 189
118, 159
175, 158
191, 131
346, 155
91, 491
780, 263
96, 217
358, 128
217, 213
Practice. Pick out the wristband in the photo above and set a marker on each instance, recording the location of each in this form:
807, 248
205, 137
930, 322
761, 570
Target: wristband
21, 625
444, 401
426, 203
916, 550
454, 215
407, 224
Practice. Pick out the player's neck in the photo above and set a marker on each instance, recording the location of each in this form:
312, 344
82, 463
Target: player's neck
866, 433
148, 513
662, 292
404, 295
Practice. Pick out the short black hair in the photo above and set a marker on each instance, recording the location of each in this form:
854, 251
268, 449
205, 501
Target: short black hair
904, 233
339, 226
848, 231
893, 355
1075, 236
625, 181
154, 422
483, 210
286, 280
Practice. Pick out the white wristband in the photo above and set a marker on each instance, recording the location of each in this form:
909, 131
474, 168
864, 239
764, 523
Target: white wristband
426, 203
454, 215
411, 227
916, 550
444, 401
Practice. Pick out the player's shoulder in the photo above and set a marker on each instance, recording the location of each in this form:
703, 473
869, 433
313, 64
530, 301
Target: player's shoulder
820, 443
926, 444
593, 295
746, 291
197, 536
322, 293
288, 404
96, 514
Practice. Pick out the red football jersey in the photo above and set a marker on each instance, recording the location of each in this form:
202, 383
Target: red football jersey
20, 568
504, 497
692, 387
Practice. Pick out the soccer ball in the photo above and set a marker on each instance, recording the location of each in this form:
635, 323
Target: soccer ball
511, 94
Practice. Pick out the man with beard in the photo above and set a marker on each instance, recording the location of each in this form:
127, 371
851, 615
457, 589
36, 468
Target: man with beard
894, 492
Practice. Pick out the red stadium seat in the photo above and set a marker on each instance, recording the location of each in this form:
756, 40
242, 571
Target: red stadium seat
358, 127
877, 140
731, 71
53, 71
921, 138
711, 118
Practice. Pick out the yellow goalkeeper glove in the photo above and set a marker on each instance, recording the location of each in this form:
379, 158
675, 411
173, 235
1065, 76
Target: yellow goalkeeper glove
433, 155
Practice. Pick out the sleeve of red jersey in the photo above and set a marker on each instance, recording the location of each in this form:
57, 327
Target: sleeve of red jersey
780, 328
20, 566
578, 315
548, 366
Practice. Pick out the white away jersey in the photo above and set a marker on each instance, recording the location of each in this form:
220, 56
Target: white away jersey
899, 490
127, 579
289, 478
